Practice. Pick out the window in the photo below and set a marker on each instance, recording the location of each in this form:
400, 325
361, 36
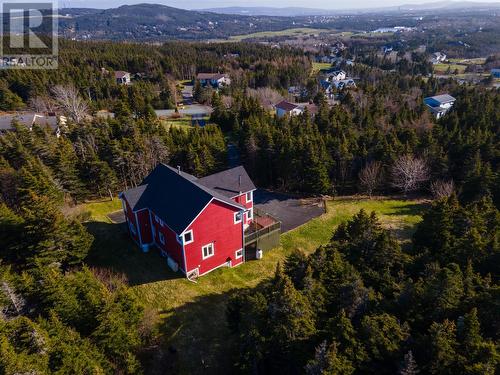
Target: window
239, 253
188, 237
132, 228
250, 196
162, 238
250, 214
237, 217
207, 251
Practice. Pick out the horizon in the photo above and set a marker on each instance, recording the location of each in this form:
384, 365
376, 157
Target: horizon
284, 4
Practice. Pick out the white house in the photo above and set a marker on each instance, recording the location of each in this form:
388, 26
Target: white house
438, 57
216, 80
122, 77
336, 75
285, 108
439, 105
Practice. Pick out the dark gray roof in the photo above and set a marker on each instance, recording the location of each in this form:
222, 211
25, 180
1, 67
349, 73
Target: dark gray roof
228, 182
177, 198
27, 119
441, 99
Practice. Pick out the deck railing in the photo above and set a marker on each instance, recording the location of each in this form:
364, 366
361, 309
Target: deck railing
262, 232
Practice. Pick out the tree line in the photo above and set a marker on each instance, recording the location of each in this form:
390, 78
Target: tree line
362, 304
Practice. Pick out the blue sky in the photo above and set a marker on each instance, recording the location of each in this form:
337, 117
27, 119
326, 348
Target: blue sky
199, 4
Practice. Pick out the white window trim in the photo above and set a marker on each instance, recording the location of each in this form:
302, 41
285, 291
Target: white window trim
236, 254
161, 237
236, 220
250, 214
184, 237
203, 250
251, 197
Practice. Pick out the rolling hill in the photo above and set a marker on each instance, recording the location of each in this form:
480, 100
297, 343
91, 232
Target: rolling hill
159, 22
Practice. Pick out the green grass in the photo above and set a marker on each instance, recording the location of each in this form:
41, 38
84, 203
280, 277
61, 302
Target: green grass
270, 34
443, 68
99, 209
193, 320
317, 67
184, 123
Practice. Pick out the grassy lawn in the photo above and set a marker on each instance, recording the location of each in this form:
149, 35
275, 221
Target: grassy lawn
192, 314
443, 68
270, 34
317, 67
180, 123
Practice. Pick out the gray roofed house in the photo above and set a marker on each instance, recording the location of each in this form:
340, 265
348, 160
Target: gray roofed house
216, 80
439, 105
29, 119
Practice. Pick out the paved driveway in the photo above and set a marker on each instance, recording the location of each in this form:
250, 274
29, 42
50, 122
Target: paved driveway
292, 212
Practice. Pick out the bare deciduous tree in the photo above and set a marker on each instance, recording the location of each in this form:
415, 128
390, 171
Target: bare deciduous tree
70, 102
370, 177
442, 189
266, 96
409, 173
42, 104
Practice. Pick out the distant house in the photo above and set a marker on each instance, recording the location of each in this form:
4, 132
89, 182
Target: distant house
216, 80
297, 91
438, 57
334, 85
198, 224
30, 119
285, 108
105, 114
495, 73
439, 105
122, 78
336, 75
387, 49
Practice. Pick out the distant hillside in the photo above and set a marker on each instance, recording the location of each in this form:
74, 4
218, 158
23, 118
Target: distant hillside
152, 21
269, 11
300, 12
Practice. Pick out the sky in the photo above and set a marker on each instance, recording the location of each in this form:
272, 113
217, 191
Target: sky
201, 4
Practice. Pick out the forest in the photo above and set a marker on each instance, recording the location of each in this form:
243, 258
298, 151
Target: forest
363, 303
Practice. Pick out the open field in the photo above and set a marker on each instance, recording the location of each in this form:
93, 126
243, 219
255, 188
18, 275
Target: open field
193, 314
270, 34
443, 68
317, 67
183, 122
475, 61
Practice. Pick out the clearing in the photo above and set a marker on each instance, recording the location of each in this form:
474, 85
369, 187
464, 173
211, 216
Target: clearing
317, 67
193, 314
270, 34
443, 68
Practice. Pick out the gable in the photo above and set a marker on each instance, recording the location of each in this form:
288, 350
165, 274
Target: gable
174, 196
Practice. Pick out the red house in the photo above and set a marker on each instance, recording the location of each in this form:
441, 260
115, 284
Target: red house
197, 223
